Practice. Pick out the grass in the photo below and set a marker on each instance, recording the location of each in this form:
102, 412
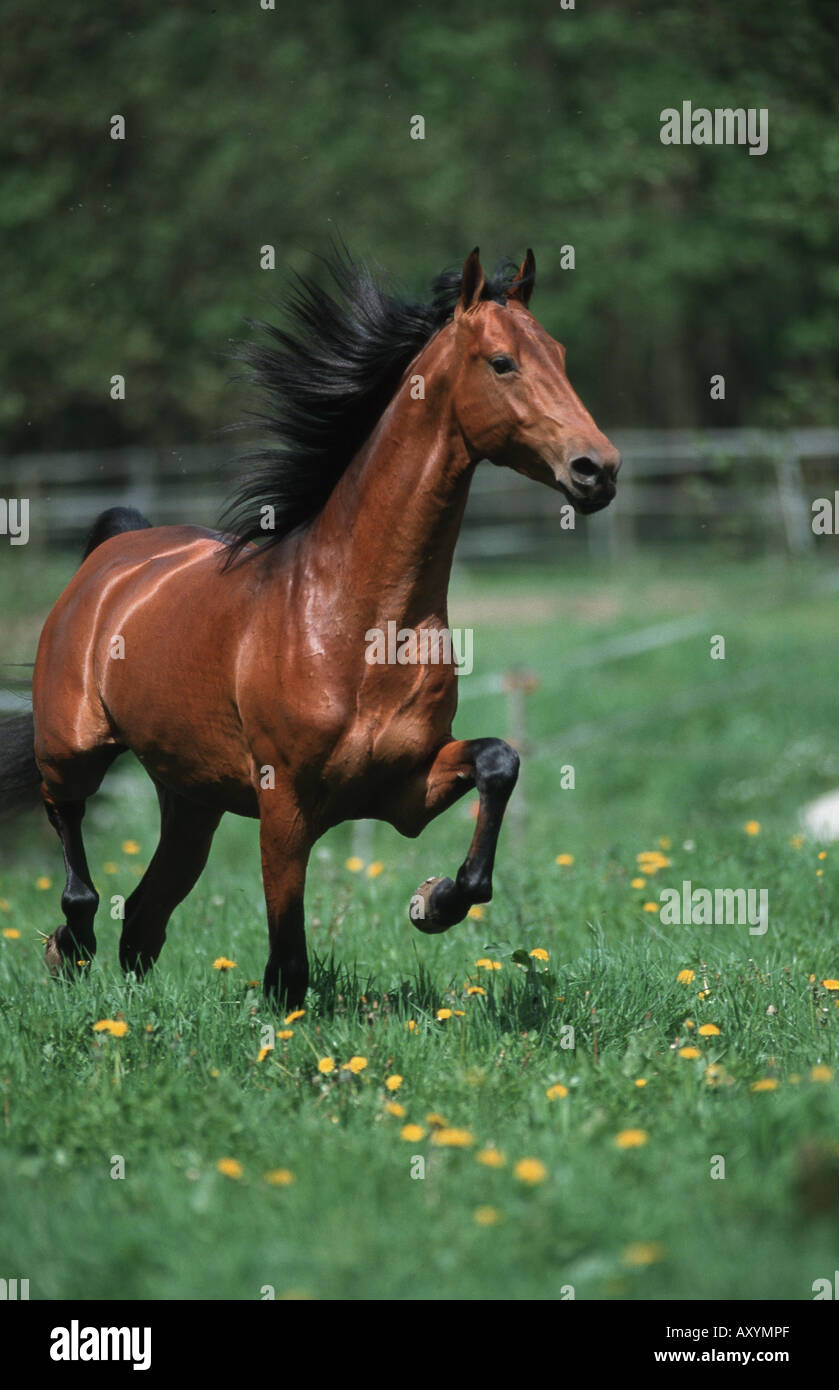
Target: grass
666, 744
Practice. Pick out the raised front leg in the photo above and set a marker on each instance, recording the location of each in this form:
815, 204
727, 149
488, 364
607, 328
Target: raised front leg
285, 852
490, 765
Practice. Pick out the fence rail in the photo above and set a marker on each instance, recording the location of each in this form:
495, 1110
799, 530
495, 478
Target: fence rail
675, 486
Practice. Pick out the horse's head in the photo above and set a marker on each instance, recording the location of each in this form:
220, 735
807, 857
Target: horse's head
513, 400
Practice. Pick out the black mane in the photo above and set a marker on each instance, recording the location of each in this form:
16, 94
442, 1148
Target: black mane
325, 381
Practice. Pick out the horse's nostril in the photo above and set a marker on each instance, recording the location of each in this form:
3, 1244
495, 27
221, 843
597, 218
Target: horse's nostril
585, 470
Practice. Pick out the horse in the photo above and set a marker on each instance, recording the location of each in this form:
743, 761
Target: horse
237, 671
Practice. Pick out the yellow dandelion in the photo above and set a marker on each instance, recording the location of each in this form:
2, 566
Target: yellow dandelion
452, 1138
130, 847
651, 907
214, 1072
822, 854
392, 1083
263, 1053
476, 912
280, 1177
564, 860
713, 1075
641, 1081
103, 1026
631, 1138
355, 1065
557, 1091
43, 883
664, 843
821, 1073
459, 1013
643, 1252
294, 1015
685, 977
539, 953
149, 1027
797, 841
475, 989
110, 867
285, 1034
689, 1053
432, 1118
829, 984
486, 1216
819, 873
709, 1030
638, 883
703, 994
326, 1064
354, 864
394, 1108
491, 1158
443, 1014
11, 933
413, 1133
766, 1083
752, 827
374, 869
222, 963
486, 964
230, 1167
411, 1025
689, 1024
530, 1170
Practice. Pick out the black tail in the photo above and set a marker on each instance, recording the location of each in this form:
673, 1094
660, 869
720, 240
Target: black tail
19, 775
112, 523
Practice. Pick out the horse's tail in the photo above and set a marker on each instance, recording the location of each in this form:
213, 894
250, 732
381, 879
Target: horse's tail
19, 775
20, 778
114, 522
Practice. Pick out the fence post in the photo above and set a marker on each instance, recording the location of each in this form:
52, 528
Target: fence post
518, 684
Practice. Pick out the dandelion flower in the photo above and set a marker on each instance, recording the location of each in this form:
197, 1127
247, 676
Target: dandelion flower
110, 867
564, 860
643, 1252
443, 1014
631, 1138
475, 989
752, 827
230, 1167
476, 912
491, 1158
829, 984
355, 1065
709, 1030
280, 1177
641, 1081
766, 1083
530, 1170
222, 963
689, 1053
486, 964
539, 953
411, 1025
325, 1065
130, 847
686, 977
43, 883
374, 869
638, 883
486, 1216
413, 1133
354, 864
294, 1015
285, 1034
452, 1138
392, 1083
432, 1118
821, 1073
394, 1108
651, 907
12, 934
557, 1091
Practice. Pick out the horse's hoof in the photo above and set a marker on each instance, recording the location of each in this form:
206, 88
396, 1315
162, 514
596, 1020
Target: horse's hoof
57, 963
425, 912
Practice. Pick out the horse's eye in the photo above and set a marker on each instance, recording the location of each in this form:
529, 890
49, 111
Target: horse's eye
502, 364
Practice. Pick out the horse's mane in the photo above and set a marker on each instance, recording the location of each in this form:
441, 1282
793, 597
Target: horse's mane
324, 381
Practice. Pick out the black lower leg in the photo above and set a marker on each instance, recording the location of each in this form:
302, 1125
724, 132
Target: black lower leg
79, 901
496, 770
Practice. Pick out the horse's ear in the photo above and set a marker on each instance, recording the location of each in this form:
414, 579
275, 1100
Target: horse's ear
471, 284
522, 286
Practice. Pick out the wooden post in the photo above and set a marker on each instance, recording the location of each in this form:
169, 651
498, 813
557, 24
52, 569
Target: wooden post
518, 684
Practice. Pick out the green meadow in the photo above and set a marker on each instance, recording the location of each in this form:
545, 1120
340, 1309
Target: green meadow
636, 1111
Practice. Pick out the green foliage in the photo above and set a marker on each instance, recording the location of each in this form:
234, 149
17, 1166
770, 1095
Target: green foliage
247, 127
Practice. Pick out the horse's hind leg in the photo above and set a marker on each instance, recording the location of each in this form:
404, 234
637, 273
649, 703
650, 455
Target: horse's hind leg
186, 833
74, 942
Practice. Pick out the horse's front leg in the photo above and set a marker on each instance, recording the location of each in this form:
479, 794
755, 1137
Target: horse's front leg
284, 847
490, 765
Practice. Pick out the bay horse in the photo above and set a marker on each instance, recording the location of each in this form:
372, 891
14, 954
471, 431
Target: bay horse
236, 672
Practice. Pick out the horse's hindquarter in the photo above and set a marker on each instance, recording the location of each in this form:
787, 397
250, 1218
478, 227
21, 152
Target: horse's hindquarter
141, 650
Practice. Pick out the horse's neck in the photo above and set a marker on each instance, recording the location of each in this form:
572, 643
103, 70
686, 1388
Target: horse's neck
389, 529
